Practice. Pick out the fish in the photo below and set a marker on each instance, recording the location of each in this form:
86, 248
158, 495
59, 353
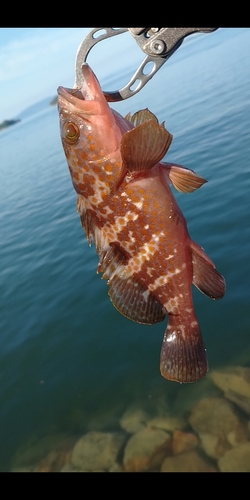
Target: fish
128, 210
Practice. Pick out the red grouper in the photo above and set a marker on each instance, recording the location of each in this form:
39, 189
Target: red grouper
127, 208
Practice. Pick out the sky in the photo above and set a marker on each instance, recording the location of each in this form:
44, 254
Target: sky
35, 61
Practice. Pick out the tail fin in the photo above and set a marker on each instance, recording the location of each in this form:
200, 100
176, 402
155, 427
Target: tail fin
183, 356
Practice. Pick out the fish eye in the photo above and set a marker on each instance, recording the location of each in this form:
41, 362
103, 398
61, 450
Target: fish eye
71, 133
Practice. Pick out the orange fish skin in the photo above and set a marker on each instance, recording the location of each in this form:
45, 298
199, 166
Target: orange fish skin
141, 236
94, 162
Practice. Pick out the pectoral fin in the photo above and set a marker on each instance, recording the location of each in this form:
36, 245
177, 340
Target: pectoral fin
183, 179
144, 146
127, 294
205, 276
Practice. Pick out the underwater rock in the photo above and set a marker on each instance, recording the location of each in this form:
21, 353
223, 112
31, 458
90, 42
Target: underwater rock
134, 419
47, 464
218, 426
27, 468
146, 450
34, 450
190, 461
97, 451
105, 419
236, 459
183, 441
234, 381
54, 461
70, 468
116, 468
167, 423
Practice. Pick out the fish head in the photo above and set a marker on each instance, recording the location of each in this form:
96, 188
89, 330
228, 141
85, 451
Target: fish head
90, 130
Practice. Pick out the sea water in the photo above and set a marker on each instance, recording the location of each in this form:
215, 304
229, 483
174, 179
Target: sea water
67, 357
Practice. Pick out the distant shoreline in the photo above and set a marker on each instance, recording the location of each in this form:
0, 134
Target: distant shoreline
54, 101
8, 123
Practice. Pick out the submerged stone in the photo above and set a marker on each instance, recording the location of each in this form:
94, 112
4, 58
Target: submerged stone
146, 450
218, 425
234, 381
97, 450
189, 461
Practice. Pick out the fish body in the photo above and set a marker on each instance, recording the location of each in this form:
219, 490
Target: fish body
127, 208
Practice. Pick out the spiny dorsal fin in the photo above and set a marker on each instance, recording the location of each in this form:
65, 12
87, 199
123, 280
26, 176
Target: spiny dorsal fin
205, 277
183, 179
144, 146
127, 294
141, 116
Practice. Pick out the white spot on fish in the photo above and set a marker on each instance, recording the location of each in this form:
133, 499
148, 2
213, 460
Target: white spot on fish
135, 216
194, 323
130, 233
172, 305
146, 227
163, 280
145, 295
150, 271
182, 331
138, 204
156, 238
171, 337
169, 257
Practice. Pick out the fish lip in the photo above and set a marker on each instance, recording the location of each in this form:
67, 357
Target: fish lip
70, 95
89, 91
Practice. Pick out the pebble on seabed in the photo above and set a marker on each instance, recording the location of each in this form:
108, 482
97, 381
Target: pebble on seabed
214, 437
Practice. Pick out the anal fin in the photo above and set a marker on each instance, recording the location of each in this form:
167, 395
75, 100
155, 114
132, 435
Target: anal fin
205, 276
130, 297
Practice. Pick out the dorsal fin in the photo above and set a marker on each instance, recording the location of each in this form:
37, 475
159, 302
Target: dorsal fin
141, 116
127, 294
144, 146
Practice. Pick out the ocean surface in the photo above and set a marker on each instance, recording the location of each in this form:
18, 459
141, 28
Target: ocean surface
66, 355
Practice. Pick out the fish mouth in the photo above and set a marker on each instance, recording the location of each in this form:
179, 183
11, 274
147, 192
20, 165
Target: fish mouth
70, 95
89, 91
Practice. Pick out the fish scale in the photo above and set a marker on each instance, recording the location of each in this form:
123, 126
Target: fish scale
128, 209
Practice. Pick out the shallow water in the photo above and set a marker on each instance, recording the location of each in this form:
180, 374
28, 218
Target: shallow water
66, 354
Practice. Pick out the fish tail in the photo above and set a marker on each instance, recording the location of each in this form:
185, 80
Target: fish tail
183, 356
